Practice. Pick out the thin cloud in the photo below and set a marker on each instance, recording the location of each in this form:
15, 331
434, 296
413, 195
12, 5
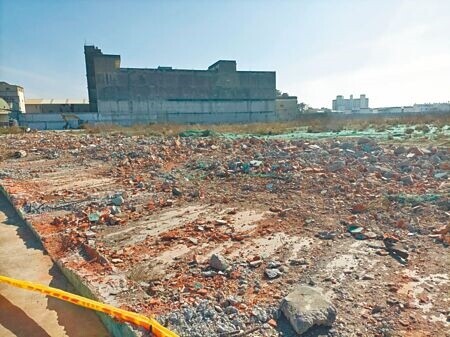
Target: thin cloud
14, 73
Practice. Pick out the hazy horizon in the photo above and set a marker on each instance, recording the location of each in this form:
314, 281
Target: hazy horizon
395, 52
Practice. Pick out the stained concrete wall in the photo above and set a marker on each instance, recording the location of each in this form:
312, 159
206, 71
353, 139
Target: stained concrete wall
287, 108
54, 121
219, 94
184, 111
194, 113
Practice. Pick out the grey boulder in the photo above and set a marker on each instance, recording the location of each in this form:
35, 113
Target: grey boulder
306, 307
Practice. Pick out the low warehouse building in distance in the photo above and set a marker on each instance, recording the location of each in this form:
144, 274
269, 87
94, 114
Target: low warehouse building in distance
219, 94
39, 105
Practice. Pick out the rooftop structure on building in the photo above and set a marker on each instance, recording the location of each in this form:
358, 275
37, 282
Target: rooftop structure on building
39, 105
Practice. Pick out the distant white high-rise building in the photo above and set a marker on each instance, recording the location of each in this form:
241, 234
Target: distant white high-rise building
351, 104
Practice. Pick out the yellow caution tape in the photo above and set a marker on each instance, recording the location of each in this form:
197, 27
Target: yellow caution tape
127, 316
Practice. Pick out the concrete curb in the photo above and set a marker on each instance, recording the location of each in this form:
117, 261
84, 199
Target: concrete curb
115, 328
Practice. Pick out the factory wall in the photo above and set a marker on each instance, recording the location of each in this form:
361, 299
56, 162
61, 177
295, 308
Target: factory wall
219, 94
186, 111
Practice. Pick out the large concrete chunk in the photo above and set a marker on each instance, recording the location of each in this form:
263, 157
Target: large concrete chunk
306, 307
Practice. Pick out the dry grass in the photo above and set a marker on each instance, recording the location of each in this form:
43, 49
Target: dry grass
5, 154
10, 130
176, 129
147, 130
311, 124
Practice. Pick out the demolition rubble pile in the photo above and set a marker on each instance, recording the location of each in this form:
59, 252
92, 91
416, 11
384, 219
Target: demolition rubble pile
248, 236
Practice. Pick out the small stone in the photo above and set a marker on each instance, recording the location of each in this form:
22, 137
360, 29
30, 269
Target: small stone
272, 323
407, 180
202, 292
387, 173
115, 210
90, 234
441, 175
176, 192
231, 310
255, 163
359, 208
193, 240
272, 273
376, 309
273, 264
218, 262
20, 154
221, 173
209, 273
371, 235
260, 315
364, 140
326, 235
367, 277
169, 202
298, 262
404, 322
194, 193
117, 200
399, 150
116, 260
94, 217
255, 264
336, 166
347, 145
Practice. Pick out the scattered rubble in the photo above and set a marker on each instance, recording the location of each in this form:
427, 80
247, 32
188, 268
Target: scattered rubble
211, 234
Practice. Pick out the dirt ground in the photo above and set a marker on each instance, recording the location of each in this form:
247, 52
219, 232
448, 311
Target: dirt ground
139, 217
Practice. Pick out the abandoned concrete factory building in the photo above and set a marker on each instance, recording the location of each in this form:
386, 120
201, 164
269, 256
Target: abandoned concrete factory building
218, 94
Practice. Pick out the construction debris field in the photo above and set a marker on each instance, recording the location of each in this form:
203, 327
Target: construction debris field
210, 233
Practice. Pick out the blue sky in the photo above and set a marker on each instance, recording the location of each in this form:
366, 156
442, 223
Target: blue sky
396, 52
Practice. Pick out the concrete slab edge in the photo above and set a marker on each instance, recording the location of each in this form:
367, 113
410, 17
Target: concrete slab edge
115, 328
